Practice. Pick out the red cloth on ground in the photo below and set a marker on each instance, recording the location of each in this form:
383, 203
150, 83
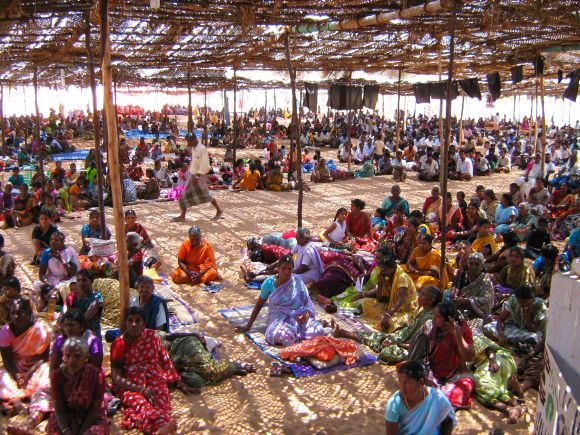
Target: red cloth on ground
322, 348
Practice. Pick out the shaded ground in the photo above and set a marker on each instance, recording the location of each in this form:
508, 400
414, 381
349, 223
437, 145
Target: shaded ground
342, 402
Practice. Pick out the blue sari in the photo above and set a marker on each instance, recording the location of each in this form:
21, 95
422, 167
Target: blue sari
502, 217
287, 302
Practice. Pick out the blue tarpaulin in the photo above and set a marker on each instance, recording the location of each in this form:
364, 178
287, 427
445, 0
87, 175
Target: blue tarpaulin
73, 155
136, 133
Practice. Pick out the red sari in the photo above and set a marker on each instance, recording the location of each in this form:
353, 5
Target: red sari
145, 363
77, 393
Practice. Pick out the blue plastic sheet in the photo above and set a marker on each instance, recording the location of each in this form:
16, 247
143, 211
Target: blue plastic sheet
136, 133
73, 155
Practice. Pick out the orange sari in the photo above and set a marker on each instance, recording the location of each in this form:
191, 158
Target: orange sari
198, 258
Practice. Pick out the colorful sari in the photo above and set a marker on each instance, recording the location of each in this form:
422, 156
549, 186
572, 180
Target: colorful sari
77, 393
431, 261
287, 302
196, 258
83, 304
145, 363
425, 418
336, 278
359, 224
309, 256
344, 299
375, 308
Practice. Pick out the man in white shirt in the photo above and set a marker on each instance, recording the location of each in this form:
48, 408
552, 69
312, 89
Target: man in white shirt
464, 168
481, 165
504, 163
429, 169
196, 191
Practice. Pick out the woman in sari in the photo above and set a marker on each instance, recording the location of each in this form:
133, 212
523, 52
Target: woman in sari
154, 307
404, 243
141, 371
471, 222
417, 408
405, 343
358, 223
424, 265
393, 303
291, 316
514, 274
454, 218
78, 390
489, 204
561, 201
150, 258
320, 174
93, 230
433, 202
367, 169
308, 266
449, 349
196, 261
89, 302
41, 235
274, 178
24, 345
505, 214
390, 202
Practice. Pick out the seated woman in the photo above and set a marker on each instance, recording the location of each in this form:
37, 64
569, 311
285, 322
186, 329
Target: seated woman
150, 257
154, 307
274, 178
291, 316
393, 303
320, 174
495, 376
25, 207
196, 261
417, 408
24, 346
196, 364
335, 234
543, 268
403, 244
524, 222
496, 262
358, 222
250, 180
152, 189
472, 290
89, 302
135, 255
41, 235
58, 267
471, 222
73, 324
405, 343
367, 169
424, 264
505, 214
308, 266
93, 230
454, 218
394, 199
78, 390
449, 349
9, 291
141, 371
513, 275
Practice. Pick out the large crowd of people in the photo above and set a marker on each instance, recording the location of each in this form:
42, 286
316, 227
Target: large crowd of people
471, 327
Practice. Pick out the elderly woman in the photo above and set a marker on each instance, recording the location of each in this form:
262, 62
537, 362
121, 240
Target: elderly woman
524, 222
405, 343
390, 202
417, 408
154, 307
403, 243
41, 235
424, 264
24, 346
472, 289
308, 266
78, 390
291, 315
505, 214
393, 303
151, 259
93, 230
196, 261
141, 371
135, 255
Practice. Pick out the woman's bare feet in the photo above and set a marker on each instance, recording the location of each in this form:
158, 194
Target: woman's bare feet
338, 332
245, 368
515, 413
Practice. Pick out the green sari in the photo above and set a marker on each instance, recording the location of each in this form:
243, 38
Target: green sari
344, 300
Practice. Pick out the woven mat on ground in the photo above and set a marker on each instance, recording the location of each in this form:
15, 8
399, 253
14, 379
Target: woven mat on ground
180, 314
239, 316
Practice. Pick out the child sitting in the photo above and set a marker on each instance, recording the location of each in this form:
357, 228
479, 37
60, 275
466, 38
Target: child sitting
485, 242
539, 237
49, 207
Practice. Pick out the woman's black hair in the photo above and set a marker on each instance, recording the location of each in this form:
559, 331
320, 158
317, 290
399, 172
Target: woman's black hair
339, 211
449, 311
414, 221
412, 369
12, 282
427, 237
23, 303
45, 213
86, 273
286, 259
519, 250
96, 213
382, 212
389, 261
510, 239
135, 311
549, 252
435, 294
416, 214
75, 315
524, 292
509, 198
130, 212
359, 203
461, 194
490, 194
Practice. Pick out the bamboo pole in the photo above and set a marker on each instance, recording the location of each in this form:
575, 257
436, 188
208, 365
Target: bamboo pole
536, 120
235, 117
2, 133
348, 137
39, 142
514, 115
275, 106
114, 168
206, 116
543, 164
439, 70
296, 133
445, 151
98, 154
398, 129
460, 135
189, 107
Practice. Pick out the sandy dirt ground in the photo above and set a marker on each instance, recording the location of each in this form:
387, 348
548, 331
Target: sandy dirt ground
352, 401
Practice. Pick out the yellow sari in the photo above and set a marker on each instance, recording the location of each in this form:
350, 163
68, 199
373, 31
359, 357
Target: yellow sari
375, 308
431, 261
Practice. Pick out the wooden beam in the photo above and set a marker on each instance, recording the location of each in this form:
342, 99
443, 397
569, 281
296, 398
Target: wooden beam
97, 128
114, 166
235, 123
2, 132
544, 140
38, 140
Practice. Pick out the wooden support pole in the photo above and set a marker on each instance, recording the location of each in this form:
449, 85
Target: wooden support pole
514, 115
38, 141
536, 120
25, 130
440, 69
544, 140
114, 166
206, 117
189, 107
235, 123
275, 106
97, 129
398, 129
296, 132
460, 134
348, 138
445, 151
2, 133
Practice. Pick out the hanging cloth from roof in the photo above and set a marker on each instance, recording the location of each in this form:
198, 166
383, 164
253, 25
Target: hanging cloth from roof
371, 96
571, 91
439, 90
345, 97
539, 65
471, 87
422, 93
494, 84
354, 97
517, 74
310, 99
